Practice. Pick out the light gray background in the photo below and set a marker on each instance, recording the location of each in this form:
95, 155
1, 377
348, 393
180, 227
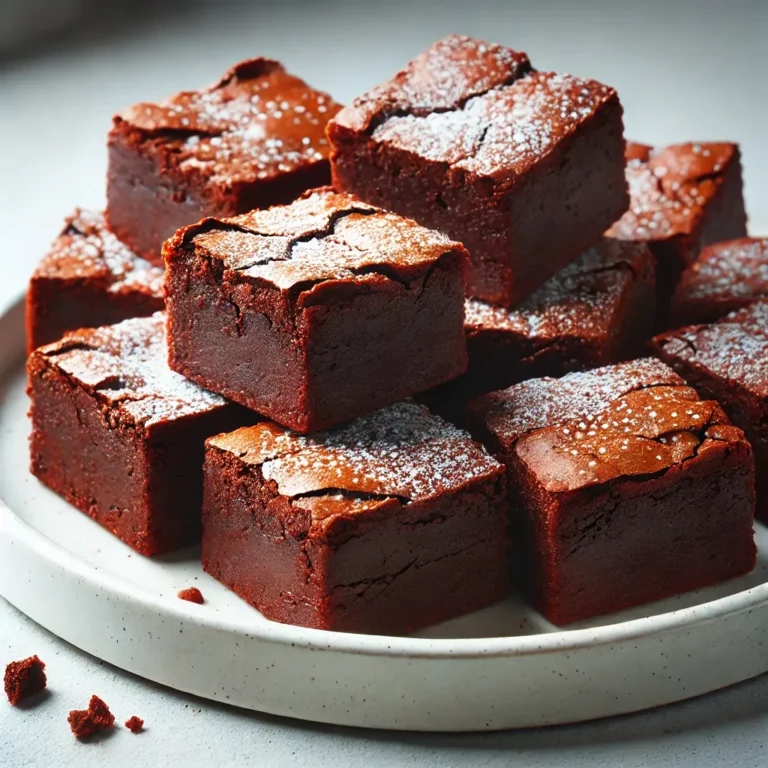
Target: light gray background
684, 70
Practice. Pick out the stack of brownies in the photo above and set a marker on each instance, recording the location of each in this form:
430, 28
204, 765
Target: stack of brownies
252, 345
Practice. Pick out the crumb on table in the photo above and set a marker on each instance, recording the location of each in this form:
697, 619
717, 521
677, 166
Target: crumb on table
24, 678
134, 724
192, 595
86, 722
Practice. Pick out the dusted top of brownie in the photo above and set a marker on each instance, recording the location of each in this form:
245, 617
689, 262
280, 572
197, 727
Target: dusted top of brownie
401, 452
735, 348
578, 300
127, 366
257, 122
477, 107
669, 187
539, 403
322, 236
87, 249
636, 418
732, 271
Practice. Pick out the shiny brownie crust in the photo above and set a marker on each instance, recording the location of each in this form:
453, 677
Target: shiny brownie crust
625, 488
88, 279
682, 198
391, 523
120, 436
253, 139
728, 361
525, 168
316, 312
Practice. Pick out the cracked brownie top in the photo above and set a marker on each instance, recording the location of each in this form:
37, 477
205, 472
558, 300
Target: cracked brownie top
734, 349
670, 186
580, 300
322, 236
475, 106
400, 453
735, 271
126, 366
87, 249
632, 419
257, 122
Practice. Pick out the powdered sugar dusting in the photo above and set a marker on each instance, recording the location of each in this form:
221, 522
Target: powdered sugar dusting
402, 450
87, 249
504, 131
546, 402
126, 364
256, 123
730, 270
581, 299
734, 349
323, 236
669, 188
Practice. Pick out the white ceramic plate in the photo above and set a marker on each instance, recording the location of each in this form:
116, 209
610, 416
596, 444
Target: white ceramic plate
502, 667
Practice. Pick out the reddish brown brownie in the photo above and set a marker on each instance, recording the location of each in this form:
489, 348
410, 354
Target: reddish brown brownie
315, 312
88, 279
625, 488
24, 679
726, 277
191, 595
256, 138
87, 722
683, 197
525, 168
120, 436
728, 361
385, 525
598, 310
134, 724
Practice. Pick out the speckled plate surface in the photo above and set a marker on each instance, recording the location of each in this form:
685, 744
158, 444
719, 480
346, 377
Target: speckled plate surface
503, 667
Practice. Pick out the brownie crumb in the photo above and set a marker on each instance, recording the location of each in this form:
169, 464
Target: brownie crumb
24, 678
86, 722
134, 724
192, 595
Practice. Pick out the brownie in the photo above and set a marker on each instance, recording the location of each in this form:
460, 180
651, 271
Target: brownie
598, 310
256, 138
388, 524
24, 679
315, 312
88, 279
525, 168
87, 722
726, 277
682, 197
728, 361
120, 436
625, 488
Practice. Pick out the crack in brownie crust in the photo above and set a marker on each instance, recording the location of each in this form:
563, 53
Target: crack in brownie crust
378, 525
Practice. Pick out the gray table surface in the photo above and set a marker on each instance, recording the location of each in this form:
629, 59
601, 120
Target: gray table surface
685, 70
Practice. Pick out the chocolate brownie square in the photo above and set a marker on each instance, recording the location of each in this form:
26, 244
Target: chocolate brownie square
726, 277
315, 312
388, 524
598, 310
682, 197
87, 279
525, 168
625, 487
120, 436
254, 139
728, 361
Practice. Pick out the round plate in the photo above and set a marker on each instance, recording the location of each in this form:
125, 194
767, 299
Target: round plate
499, 668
